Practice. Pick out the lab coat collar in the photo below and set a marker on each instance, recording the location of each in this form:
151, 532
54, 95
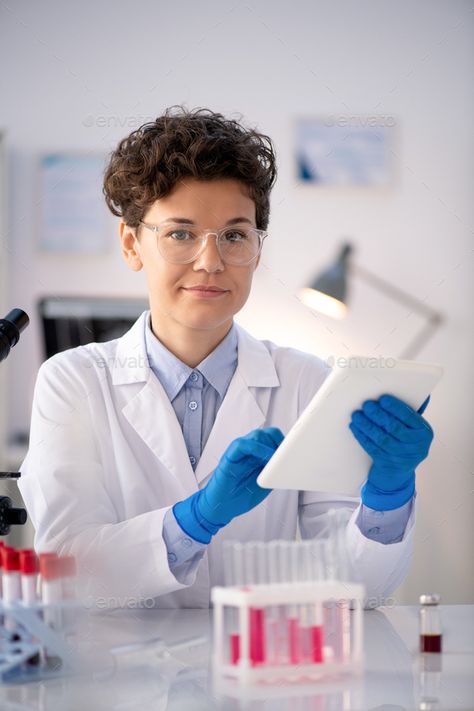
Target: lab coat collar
131, 363
152, 416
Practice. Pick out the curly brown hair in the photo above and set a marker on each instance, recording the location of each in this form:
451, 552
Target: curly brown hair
199, 143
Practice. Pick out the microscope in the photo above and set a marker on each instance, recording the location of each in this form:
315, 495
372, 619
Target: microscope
10, 329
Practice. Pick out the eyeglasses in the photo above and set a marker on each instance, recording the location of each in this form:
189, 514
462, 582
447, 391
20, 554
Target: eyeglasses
182, 244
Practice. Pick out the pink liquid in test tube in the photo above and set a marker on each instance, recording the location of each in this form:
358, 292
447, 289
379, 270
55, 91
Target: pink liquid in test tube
233, 570
317, 634
234, 648
256, 574
286, 574
317, 639
257, 635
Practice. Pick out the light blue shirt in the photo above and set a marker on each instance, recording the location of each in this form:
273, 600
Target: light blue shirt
196, 395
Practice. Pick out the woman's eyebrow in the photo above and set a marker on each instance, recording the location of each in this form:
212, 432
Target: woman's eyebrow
186, 221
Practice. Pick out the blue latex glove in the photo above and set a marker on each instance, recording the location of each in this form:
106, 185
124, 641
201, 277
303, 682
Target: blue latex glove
232, 489
398, 439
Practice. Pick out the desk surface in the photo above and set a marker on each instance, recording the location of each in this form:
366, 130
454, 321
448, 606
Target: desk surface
393, 677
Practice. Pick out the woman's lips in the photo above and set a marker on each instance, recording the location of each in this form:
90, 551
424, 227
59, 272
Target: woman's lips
205, 293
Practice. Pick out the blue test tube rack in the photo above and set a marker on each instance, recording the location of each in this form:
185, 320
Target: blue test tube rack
28, 636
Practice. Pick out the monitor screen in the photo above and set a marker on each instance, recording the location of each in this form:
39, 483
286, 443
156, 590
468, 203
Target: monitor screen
68, 321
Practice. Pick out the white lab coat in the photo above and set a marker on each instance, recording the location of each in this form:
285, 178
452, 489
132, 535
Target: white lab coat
107, 459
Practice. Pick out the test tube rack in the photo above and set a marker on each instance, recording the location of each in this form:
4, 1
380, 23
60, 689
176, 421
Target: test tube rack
288, 631
25, 635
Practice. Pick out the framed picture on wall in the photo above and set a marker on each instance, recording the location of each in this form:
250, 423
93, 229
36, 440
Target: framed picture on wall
345, 151
71, 211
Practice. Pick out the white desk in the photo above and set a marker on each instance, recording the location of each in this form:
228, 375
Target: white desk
392, 680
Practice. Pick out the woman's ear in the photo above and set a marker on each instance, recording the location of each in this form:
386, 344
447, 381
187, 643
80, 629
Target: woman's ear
130, 246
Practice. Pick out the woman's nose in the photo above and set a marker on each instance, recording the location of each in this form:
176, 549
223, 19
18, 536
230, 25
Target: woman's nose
209, 259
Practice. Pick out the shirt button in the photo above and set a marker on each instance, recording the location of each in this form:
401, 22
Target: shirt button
172, 557
193, 405
192, 460
187, 542
375, 529
194, 376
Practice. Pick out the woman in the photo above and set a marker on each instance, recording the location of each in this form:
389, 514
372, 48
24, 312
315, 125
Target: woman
144, 450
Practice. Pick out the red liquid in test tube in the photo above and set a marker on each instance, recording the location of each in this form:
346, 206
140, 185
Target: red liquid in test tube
317, 640
234, 648
257, 635
255, 571
317, 634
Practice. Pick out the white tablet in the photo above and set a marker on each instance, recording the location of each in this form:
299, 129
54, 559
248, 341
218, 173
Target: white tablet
320, 453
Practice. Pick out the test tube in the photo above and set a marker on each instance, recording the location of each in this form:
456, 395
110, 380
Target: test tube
254, 574
233, 575
342, 628
274, 637
305, 618
51, 588
286, 570
51, 594
11, 582
29, 594
29, 576
337, 532
316, 566
329, 610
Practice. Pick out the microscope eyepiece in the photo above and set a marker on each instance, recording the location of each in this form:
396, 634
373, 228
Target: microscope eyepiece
10, 329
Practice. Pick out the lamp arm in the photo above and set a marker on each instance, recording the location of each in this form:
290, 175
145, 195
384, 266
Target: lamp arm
415, 346
434, 317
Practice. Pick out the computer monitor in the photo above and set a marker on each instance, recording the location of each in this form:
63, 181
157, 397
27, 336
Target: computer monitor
69, 321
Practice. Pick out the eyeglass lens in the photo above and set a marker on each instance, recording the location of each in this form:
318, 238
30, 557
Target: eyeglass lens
180, 244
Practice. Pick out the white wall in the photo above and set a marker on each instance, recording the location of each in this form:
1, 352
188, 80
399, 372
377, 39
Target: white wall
81, 76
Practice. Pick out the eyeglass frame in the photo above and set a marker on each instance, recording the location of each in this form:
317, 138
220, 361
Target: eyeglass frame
262, 234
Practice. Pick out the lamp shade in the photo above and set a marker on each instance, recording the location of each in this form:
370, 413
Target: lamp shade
328, 292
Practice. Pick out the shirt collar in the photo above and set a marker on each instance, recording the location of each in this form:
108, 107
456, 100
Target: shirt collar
217, 368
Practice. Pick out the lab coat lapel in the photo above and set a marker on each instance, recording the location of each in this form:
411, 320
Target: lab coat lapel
240, 412
152, 416
149, 410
